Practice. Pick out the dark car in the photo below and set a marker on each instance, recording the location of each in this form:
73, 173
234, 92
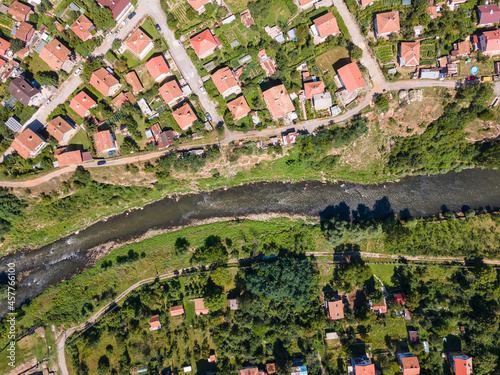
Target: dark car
101, 162
132, 15
158, 27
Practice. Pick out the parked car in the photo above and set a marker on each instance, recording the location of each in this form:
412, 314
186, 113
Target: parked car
203, 90
124, 23
101, 162
111, 153
158, 27
78, 71
132, 15
209, 118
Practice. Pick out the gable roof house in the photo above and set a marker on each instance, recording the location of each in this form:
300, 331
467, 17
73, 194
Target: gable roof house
351, 78
177, 310
363, 366
249, 371
323, 27
408, 364
166, 139
170, 91
199, 5
28, 144
185, 118
133, 80
56, 55
488, 15
4, 46
225, 82
158, 68
461, 364
461, 49
239, 108
154, 323
119, 8
205, 43
68, 158
60, 129
335, 309
104, 142
380, 308
364, 3
304, 4
139, 43
409, 53
199, 306
386, 23
24, 92
312, 88
20, 11
267, 63
81, 104
104, 82
278, 102
82, 27
489, 42
24, 32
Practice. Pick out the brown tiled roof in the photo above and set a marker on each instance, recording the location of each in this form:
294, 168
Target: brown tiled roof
116, 6
102, 81
239, 108
170, 91
134, 81
157, 66
351, 77
387, 22
4, 46
20, 11
185, 116
224, 80
271, 368
81, 103
119, 99
204, 42
81, 28
461, 48
198, 4
492, 40
55, 54
177, 310
57, 127
410, 365
24, 32
103, 141
327, 25
278, 101
336, 310
410, 53
305, 2
488, 14
26, 142
365, 370
138, 42
165, 139
311, 88
70, 157
249, 371
247, 19
154, 322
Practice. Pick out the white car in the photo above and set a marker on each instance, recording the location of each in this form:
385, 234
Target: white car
78, 71
124, 23
202, 89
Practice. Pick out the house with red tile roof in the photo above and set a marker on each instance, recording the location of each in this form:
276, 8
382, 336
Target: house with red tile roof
154, 323
489, 42
24, 31
140, 44
158, 68
60, 129
4, 46
335, 309
461, 49
133, 80
199, 306
351, 78
81, 104
104, 82
239, 108
82, 27
400, 298
55, 54
199, 5
312, 88
304, 4
28, 144
380, 308
434, 11
278, 102
171, 92
68, 158
185, 117
364, 3
409, 53
20, 11
104, 142
119, 8
362, 366
289, 137
205, 43
177, 310
488, 15
225, 82
461, 364
323, 27
250, 371
386, 23
267, 63
408, 364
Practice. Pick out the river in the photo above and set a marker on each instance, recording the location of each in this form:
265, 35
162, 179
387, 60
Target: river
412, 196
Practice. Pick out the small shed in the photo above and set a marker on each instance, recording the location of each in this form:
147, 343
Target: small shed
233, 304
187, 369
413, 336
332, 336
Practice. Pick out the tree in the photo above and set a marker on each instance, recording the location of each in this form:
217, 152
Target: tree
220, 276
91, 66
47, 78
214, 251
129, 145
352, 274
117, 43
181, 245
355, 52
100, 16
16, 45
215, 301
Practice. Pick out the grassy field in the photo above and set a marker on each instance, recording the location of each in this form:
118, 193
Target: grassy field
384, 272
392, 329
386, 53
81, 138
328, 59
237, 6
36, 64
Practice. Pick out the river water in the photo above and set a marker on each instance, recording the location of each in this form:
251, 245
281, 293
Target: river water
412, 196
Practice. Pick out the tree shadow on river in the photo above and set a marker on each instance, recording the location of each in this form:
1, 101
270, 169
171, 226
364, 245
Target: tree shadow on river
381, 210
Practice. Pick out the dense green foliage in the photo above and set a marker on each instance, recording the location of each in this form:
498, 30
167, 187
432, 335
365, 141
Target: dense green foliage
11, 209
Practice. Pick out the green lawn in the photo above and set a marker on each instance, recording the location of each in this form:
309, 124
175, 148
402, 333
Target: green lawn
82, 139
189, 309
330, 57
36, 64
391, 329
385, 273
132, 60
150, 28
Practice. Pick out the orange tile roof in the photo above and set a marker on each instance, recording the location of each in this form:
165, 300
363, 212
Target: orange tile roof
157, 66
327, 25
249, 371
177, 310
387, 22
154, 322
351, 77
432, 10
492, 40
204, 42
170, 91
81, 103
57, 127
119, 100
312, 88
20, 11
239, 108
133, 80
305, 2
271, 368
103, 141
336, 310
21, 54
103, 81
4, 46
81, 28
410, 365
410, 53
463, 366
26, 142
185, 116
365, 2
224, 80
55, 54
198, 4
24, 32
365, 370
138, 42
461, 48
278, 101
70, 157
